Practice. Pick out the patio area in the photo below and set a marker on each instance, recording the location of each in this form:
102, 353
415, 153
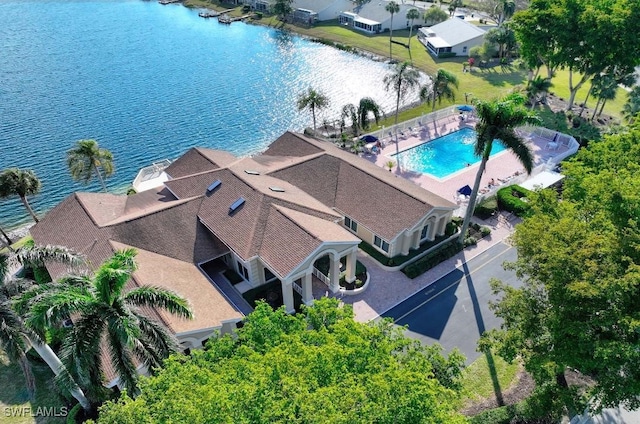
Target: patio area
548, 147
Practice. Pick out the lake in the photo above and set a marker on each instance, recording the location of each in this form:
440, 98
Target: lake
150, 81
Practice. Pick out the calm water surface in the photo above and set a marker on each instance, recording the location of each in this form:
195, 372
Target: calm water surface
149, 81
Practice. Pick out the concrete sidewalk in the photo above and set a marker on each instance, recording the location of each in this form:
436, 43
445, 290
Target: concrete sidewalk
387, 289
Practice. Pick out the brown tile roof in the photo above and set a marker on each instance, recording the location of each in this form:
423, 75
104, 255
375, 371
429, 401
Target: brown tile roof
192, 185
368, 194
291, 144
209, 307
197, 160
102, 207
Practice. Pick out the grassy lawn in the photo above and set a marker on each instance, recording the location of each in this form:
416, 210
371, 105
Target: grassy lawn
18, 244
477, 383
14, 396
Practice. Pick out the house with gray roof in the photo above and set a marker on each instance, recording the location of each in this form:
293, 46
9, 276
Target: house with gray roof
270, 217
372, 17
453, 37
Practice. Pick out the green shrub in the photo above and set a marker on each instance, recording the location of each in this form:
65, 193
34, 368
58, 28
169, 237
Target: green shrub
485, 231
446, 54
470, 241
41, 275
509, 199
486, 208
258, 15
432, 259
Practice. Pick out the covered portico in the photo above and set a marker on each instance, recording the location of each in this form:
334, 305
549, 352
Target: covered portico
301, 278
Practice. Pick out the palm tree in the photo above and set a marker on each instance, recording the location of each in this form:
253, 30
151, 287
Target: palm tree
312, 100
631, 108
15, 337
401, 80
359, 116
103, 312
497, 121
6, 237
393, 8
21, 183
442, 82
412, 14
86, 158
538, 85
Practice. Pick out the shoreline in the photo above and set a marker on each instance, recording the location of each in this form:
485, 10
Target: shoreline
16, 234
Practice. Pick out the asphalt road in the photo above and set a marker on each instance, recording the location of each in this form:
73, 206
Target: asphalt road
454, 310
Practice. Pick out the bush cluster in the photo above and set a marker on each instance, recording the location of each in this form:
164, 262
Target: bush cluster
510, 199
486, 208
427, 262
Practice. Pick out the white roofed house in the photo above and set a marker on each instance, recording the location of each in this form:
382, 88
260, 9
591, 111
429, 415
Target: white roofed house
453, 37
324, 10
372, 17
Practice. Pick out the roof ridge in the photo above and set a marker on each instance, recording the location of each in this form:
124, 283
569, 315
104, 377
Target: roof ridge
124, 219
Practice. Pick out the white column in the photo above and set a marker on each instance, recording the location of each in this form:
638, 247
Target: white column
287, 296
307, 289
406, 242
416, 238
431, 233
334, 273
351, 266
442, 225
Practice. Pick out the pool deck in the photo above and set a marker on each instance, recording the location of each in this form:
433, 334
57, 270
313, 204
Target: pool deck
502, 167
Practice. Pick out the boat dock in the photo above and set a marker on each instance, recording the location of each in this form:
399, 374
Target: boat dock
226, 19
163, 2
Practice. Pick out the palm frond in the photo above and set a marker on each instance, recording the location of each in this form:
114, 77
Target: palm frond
40, 255
12, 338
118, 345
161, 340
113, 274
158, 297
50, 308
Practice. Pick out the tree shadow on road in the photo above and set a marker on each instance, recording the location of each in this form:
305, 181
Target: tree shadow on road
481, 329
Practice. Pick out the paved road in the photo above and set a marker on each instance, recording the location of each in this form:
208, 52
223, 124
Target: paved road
454, 310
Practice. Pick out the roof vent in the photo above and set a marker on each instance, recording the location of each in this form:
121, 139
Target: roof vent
251, 172
214, 185
235, 205
277, 189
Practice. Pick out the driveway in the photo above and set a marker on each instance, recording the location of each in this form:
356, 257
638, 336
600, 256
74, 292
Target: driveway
454, 310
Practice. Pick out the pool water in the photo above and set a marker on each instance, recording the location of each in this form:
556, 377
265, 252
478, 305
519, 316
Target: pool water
445, 155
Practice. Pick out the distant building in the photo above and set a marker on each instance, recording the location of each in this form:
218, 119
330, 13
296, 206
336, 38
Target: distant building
453, 37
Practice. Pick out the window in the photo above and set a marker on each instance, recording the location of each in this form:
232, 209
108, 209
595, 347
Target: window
268, 275
242, 270
381, 243
353, 225
425, 231
464, 49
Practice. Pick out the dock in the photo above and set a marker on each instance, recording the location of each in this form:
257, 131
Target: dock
164, 2
208, 14
226, 19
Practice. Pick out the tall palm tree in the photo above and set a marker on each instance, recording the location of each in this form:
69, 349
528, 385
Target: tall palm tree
497, 121
359, 116
103, 312
631, 108
412, 14
312, 100
21, 183
403, 79
393, 8
15, 337
442, 86
87, 158
538, 85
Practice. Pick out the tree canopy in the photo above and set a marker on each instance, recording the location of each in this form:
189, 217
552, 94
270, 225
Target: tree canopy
21, 183
587, 37
580, 262
317, 366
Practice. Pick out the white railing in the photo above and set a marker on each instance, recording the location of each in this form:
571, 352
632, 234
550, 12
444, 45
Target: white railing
150, 172
321, 276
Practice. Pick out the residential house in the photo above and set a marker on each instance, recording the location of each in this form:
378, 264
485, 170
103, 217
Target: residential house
372, 17
453, 37
270, 218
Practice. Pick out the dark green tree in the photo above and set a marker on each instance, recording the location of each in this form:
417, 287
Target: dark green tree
87, 158
443, 86
579, 262
104, 313
312, 100
284, 368
282, 9
21, 183
497, 122
393, 8
631, 108
434, 15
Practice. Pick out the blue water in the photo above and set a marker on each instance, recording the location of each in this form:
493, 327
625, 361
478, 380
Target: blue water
148, 82
444, 155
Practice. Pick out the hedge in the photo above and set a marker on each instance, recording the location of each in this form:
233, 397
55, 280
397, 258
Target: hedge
486, 208
432, 259
509, 199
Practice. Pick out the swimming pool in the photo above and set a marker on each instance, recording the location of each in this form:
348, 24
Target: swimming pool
445, 155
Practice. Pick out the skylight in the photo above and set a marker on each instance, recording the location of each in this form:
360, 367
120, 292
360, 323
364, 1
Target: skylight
277, 189
235, 205
251, 172
214, 185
